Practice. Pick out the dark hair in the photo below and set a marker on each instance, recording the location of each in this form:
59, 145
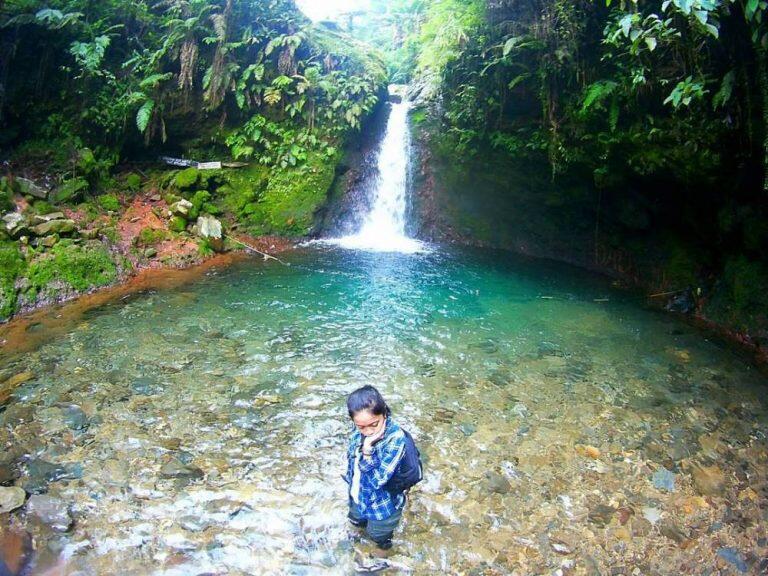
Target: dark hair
367, 398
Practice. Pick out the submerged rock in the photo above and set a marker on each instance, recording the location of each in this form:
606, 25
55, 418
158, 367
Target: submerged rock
8, 387
177, 469
145, 386
601, 514
496, 483
663, 479
733, 557
40, 473
50, 511
709, 480
15, 551
11, 498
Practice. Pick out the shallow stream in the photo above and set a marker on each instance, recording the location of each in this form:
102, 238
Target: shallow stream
565, 429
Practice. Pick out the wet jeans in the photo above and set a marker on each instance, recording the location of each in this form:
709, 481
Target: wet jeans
380, 531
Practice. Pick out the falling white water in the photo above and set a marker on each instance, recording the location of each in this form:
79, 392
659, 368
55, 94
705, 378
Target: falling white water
384, 227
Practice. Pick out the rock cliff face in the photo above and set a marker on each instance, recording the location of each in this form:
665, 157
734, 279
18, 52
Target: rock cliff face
351, 194
490, 199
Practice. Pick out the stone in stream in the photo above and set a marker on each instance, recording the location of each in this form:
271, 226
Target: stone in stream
40, 473
192, 523
74, 417
709, 480
549, 349
734, 557
178, 470
673, 532
145, 386
8, 472
496, 483
8, 387
50, 511
15, 551
663, 479
601, 514
11, 498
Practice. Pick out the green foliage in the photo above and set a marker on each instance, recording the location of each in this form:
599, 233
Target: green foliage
685, 92
81, 267
133, 182
177, 224
108, 85
70, 190
740, 298
205, 247
6, 195
109, 202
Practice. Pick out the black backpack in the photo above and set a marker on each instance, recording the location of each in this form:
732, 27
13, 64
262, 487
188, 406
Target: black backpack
409, 472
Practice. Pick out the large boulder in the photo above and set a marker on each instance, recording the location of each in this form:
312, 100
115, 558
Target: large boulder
29, 188
208, 227
61, 227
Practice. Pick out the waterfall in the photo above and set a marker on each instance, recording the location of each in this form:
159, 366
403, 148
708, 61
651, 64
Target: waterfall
383, 229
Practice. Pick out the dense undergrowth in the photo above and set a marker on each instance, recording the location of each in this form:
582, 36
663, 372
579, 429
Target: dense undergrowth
91, 94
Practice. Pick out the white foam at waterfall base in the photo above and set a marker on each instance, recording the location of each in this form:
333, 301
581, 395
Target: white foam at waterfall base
384, 227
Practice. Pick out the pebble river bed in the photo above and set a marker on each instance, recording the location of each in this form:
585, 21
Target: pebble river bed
564, 428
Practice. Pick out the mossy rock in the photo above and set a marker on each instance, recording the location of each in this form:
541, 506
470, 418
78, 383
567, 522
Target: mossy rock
171, 198
109, 202
177, 224
292, 197
42, 207
148, 236
187, 179
81, 267
133, 182
12, 265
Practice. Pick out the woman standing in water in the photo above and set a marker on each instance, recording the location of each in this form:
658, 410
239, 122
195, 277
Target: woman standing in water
377, 448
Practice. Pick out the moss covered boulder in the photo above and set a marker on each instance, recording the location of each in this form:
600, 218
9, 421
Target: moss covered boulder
12, 265
69, 267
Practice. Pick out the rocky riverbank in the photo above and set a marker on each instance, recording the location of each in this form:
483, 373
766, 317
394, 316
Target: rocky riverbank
51, 251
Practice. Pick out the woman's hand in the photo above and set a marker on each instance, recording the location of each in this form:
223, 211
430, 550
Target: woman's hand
369, 441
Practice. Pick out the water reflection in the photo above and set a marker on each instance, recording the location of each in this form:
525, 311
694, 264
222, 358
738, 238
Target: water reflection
201, 429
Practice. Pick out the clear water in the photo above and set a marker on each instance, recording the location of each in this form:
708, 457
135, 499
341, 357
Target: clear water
544, 413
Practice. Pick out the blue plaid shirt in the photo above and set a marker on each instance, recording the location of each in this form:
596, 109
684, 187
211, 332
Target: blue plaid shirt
374, 502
